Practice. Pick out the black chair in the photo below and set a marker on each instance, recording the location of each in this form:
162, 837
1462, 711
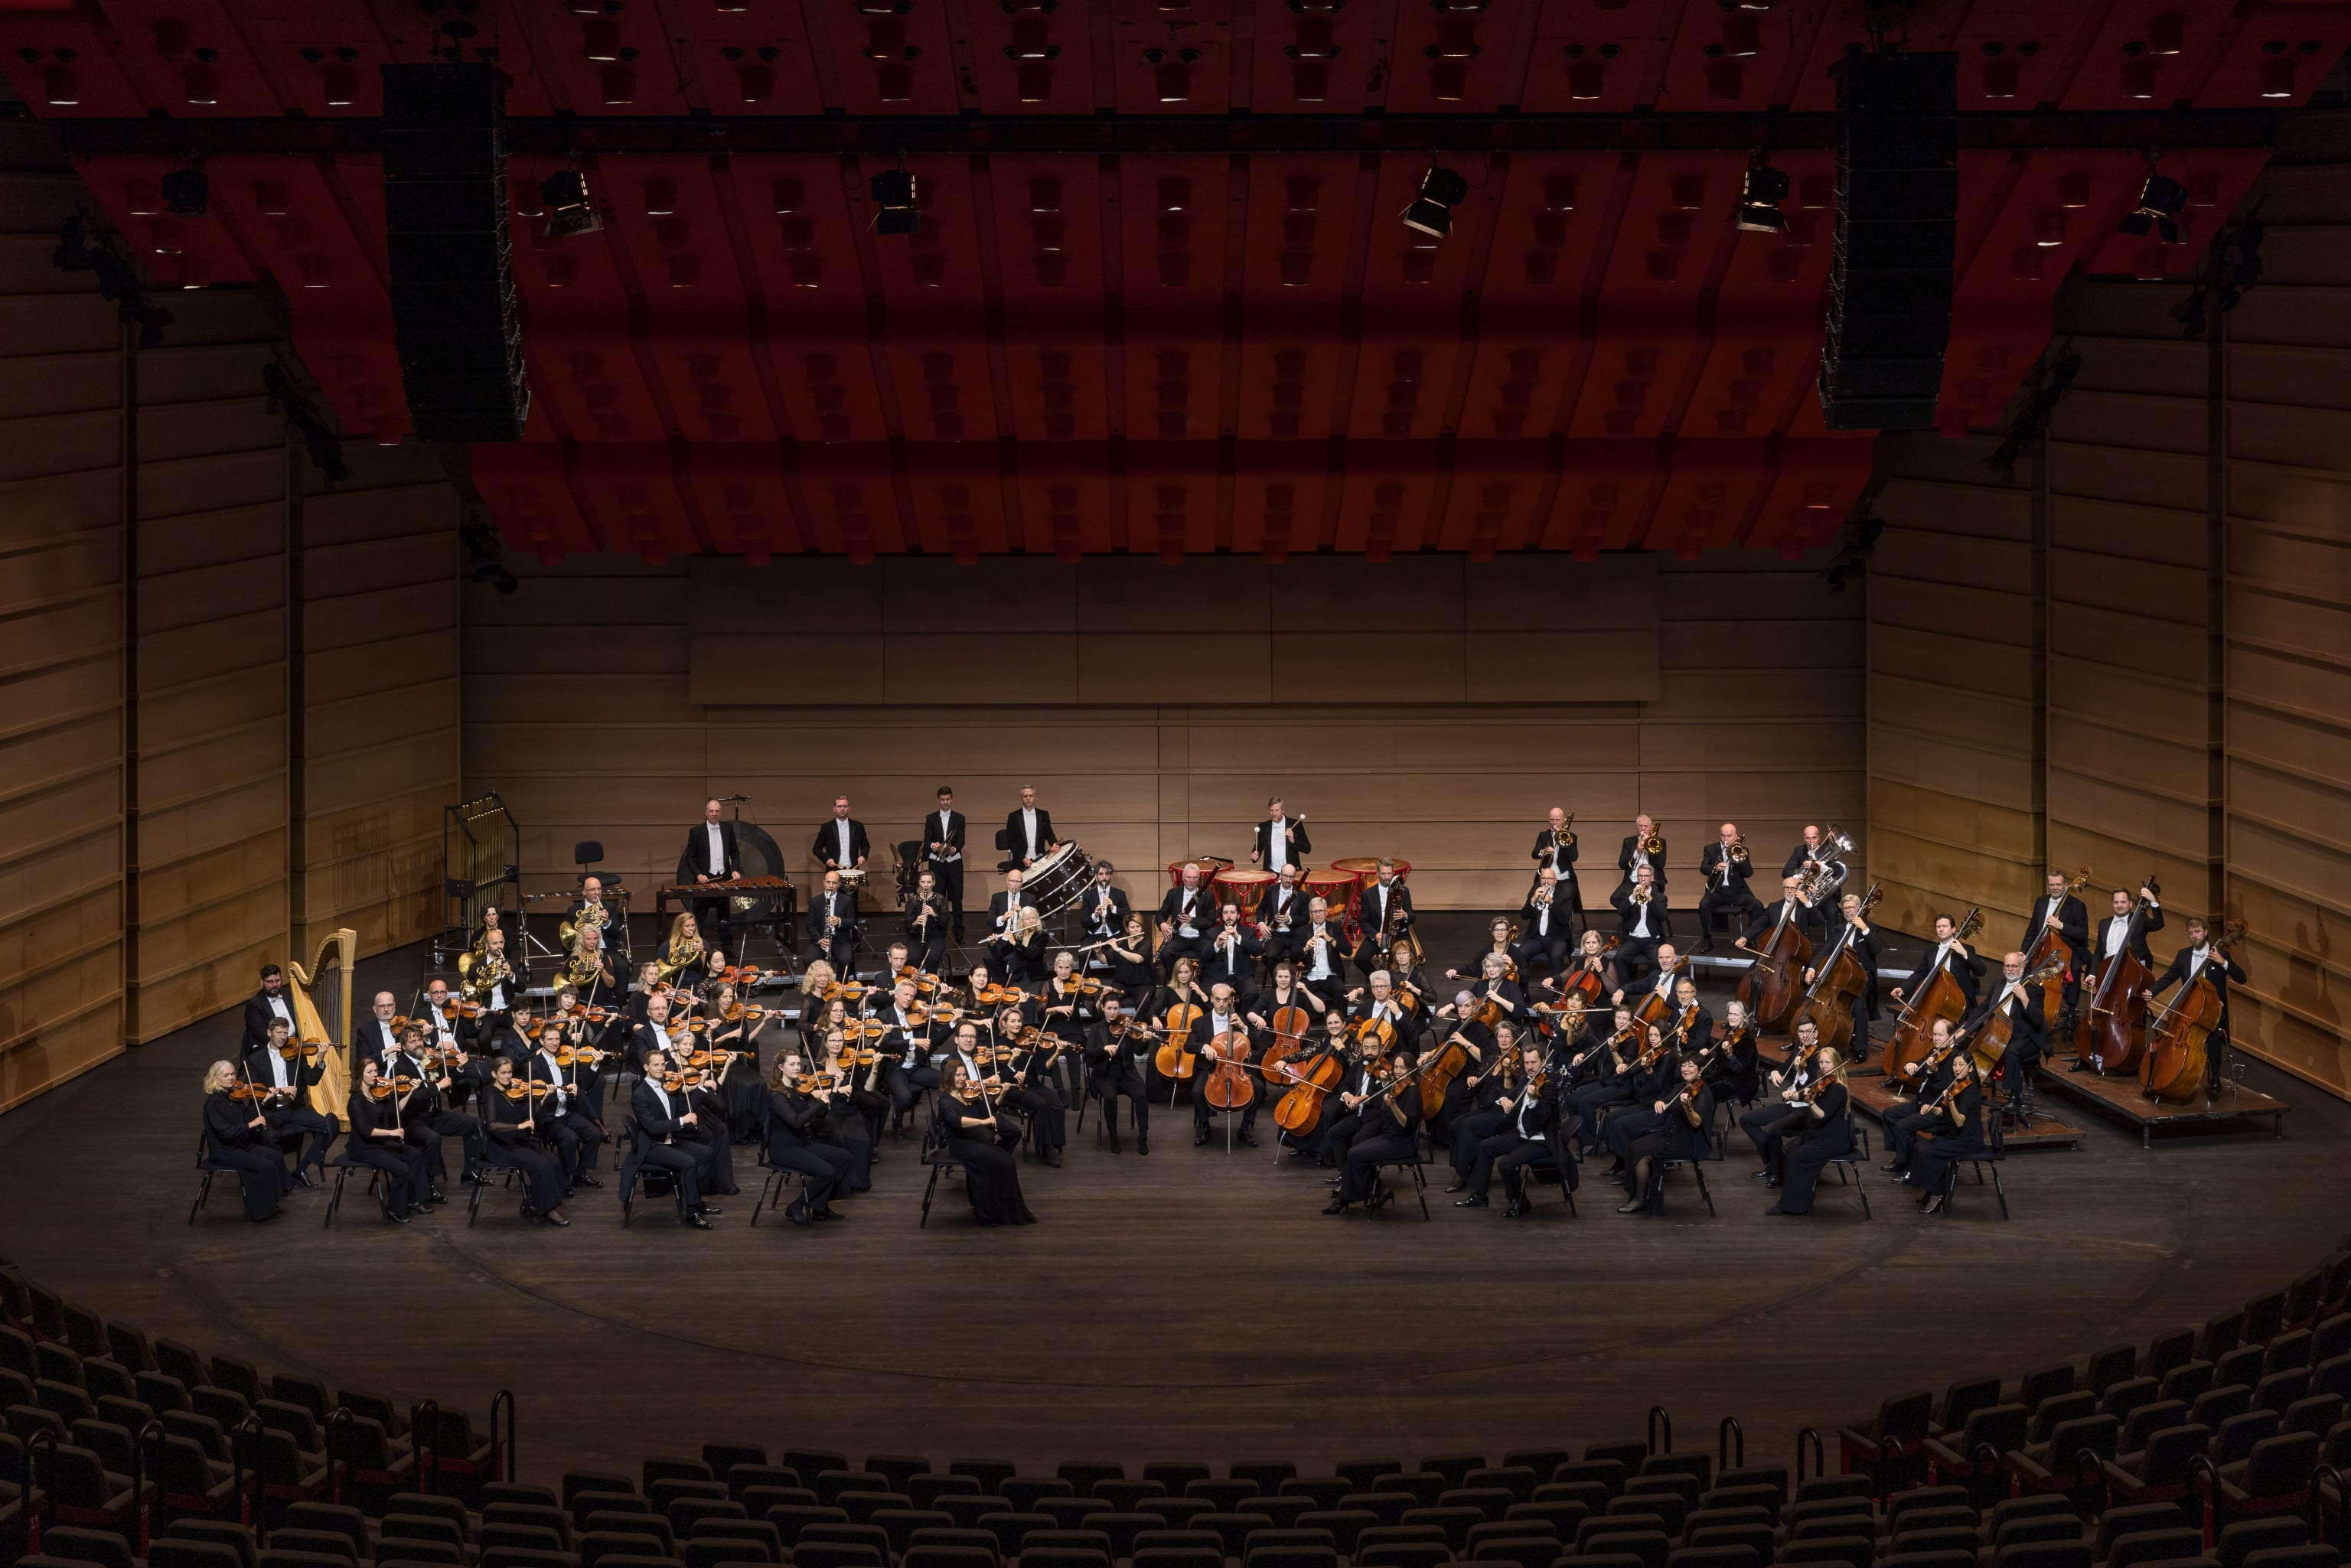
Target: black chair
942, 1161
1851, 1163
1655, 1197
632, 1168
342, 1165
488, 1166
1412, 1162
207, 1168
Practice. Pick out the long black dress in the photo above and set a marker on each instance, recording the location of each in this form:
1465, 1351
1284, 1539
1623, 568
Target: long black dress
230, 1140
1813, 1143
511, 1145
992, 1175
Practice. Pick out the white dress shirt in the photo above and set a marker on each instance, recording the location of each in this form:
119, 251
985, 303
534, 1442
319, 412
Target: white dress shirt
841, 832
1277, 842
717, 849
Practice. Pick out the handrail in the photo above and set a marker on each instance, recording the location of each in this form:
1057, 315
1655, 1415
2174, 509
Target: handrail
340, 1424
502, 1450
1820, 1455
419, 1441
1660, 1419
2319, 1476
150, 1440
1729, 1439
2206, 1520
248, 1469
37, 1519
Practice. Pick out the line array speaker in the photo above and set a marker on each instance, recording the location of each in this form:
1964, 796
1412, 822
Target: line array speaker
452, 294
1897, 204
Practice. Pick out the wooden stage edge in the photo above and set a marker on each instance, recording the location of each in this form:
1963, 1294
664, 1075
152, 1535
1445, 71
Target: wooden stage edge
1873, 1094
2119, 1097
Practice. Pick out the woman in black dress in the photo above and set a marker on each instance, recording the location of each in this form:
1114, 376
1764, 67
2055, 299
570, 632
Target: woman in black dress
739, 1088
976, 1139
797, 1115
1955, 1134
376, 1141
1021, 951
1685, 1111
1732, 1068
508, 1124
1826, 1134
1391, 1132
236, 1134
1130, 962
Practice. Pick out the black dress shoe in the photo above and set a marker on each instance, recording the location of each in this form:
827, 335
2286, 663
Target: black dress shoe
584, 1180
394, 1217
555, 1220
437, 1196
1934, 1204
798, 1214
1772, 1183
1474, 1201
827, 1215
1633, 1208
1142, 1143
1337, 1206
298, 1179
1246, 1139
711, 1210
697, 1222
1199, 1136
1784, 1213
1114, 1137
1519, 1209
1053, 1158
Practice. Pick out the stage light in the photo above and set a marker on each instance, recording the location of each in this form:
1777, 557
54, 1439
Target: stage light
894, 192
185, 191
2160, 202
1431, 212
1760, 195
569, 210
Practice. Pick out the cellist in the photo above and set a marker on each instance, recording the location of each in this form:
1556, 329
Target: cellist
1590, 959
1224, 1036
2201, 958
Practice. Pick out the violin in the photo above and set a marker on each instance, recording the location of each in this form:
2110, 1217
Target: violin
1000, 996
459, 1008
307, 1049
738, 1013
531, 1088
924, 984
849, 991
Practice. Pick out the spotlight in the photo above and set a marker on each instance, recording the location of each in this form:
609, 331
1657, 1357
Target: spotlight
2160, 202
1431, 212
1760, 195
569, 210
894, 195
185, 191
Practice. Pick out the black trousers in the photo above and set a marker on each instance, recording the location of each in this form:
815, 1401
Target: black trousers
542, 1173
840, 950
1636, 960
825, 1167
1176, 947
319, 1133
1340, 1126
949, 876
1360, 1177
1588, 1101
1112, 1084
575, 1139
1932, 1159
1546, 952
1901, 1127
1283, 946
1506, 1154
685, 1164
906, 1083
1202, 1112
261, 1178
1470, 1130
406, 1182
932, 954
1744, 906
1767, 1125
1808, 1155
1626, 1125
718, 1168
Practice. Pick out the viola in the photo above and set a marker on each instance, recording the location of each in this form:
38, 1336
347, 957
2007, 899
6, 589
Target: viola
2112, 1030
921, 1016
1176, 1056
924, 984
2177, 1038
1229, 1086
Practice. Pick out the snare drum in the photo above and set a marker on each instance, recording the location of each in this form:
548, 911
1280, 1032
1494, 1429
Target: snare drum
1060, 879
853, 879
1247, 889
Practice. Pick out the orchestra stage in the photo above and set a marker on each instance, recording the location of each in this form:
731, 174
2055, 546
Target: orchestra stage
1189, 1305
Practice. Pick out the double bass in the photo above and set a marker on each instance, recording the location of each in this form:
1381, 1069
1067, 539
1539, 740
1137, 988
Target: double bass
1838, 980
1940, 997
2173, 1069
2049, 942
1773, 986
2111, 1032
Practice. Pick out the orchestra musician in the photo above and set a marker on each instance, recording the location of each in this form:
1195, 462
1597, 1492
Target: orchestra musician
1480, 1089
2114, 927
1281, 838
1902, 1123
1555, 852
1543, 925
1322, 952
857, 1106
269, 1002
490, 982
1820, 1131
2216, 964
1954, 1132
928, 917
907, 1045
1791, 902
1281, 918
669, 1137
979, 1140
562, 1121
1223, 1035
649, 985
1389, 1131
1591, 957
1767, 1125
1004, 908
799, 1112
1661, 981
1075, 1018
1029, 832
1949, 952
1383, 1002
427, 1118
741, 1093
1645, 925
238, 1133
1726, 867
1458, 1023
1528, 1115
1102, 907
943, 839
1498, 945
591, 912
1806, 858
286, 1076
1654, 1073
686, 957
649, 1037
1122, 1069
590, 968
1733, 1068
1233, 953
1386, 892
1684, 1131
841, 843
375, 1036
1129, 955
510, 1126
1184, 917
1032, 1056
1644, 846
379, 1143
2072, 925
832, 923
2028, 1028
1342, 1111
1411, 992
1862, 942
710, 856
1601, 1072
1021, 950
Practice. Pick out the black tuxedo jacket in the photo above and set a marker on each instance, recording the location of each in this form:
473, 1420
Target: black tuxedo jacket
1564, 863
1969, 971
1372, 912
1098, 924
1661, 919
258, 1014
952, 838
1274, 913
1001, 902
656, 1121
2030, 1030
1298, 844
2073, 921
371, 1038
2154, 923
1203, 904
1734, 881
1529, 917
825, 904
2221, 969
697, 859
1237, 968
1015, 843
300, 1074
825, 847
1656, 862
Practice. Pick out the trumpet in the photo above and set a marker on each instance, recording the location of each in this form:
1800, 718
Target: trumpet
1640, 895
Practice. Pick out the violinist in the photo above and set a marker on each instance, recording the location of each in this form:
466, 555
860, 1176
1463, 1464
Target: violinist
981, 1141
709, 1108
1281, 924
1683, 1131
832, 923
1322, 948
1645, 927
1555, 852
561, 1120
653, 1035
237, 1134
1385, 912
1822, 1131
1766, 1125
376, 1035
510, 1126
1860, 941
928, 916
1122, 1069
2071, 919
1726, 867
1530, 1112
1731, 1066
378, 1142
856, 1106
450, 1030
2202, 958
735, 1032
1343, 1109
1129, 955
1953, 1131
1604, 1074
1644, 846
1478, 1092
1076, 1017
2028, 1031
1903, 1123
1544, 925
2113, 929
427, 1119
1281, 838
1949, 952
286, 1075
1388, 1131
1656, 1072
669, 1137
1034, 1052
907, 1045
1223, 1035
651, 985
1233, 953
799, 1113
1185, 917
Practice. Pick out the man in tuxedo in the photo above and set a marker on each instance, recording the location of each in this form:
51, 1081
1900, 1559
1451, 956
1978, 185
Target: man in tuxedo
841, 843
1185, 915
1555, 852
1791, 903
2072, 922
1372, 914
1806, 856
561, 1113
374, 1038
1635, 853
711, 857
1857, 936
2213, 963
1280, 840
1029, 832
1281, 918
1322, 952
269, 1002
286, 1103
670, 1139
832, 923
1544, 926
1104, 910
1949, 952
1726, 876
2116, 928
1004, 908
943, 836
1233, 953
430, 1117
2028, 1035
1642, 924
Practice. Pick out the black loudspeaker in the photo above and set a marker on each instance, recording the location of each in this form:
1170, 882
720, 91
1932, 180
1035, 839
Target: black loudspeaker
1898, 204
453, 295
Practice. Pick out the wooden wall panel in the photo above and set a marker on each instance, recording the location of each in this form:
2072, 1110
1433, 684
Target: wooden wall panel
1433, 709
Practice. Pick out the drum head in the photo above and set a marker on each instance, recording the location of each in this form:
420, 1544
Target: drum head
1058, 881
1247, 889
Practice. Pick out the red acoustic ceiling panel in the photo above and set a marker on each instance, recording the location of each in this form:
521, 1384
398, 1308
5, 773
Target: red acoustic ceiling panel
1172, 59
1491, 504
1277, 501
322, 60
1385, 496
1675, 222
1767, 313
1032, 56
1452, 56
194, 58
1606, 489
1817, 482
1171, 499
1732, 57
2147, 53
2216, 180
600, 59
63, 68
630, 493
578, 342
1065, 506
2278, 54
747, 59
1596, 58
851, 502
1529, 322
935, 290
527, 487
1708, 494
1049, 219
1301, 218
741, 492
1318, 59
958, 502
1411, 294
886, 58
2015, 54
804, 239
177, 250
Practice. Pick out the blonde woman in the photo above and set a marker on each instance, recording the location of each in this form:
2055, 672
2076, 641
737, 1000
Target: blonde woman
238, 1133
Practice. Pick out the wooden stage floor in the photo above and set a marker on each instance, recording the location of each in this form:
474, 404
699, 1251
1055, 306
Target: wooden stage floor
1191, 1304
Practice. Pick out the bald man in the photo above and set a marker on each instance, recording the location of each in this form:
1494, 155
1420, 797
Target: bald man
1726, 867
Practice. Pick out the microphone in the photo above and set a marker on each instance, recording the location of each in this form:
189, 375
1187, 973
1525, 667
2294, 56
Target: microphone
734, 800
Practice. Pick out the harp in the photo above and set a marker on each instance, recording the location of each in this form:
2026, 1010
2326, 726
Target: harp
320, 993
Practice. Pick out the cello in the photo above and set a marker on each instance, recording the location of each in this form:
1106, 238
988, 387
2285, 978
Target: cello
2112, 1030
1290, 1024
1940, 997
1177, 1057
1299, 1109
1772, 988
1229, 1087
2176, 1032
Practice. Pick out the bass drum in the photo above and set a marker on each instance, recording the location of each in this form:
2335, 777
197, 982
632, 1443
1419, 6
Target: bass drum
1060, 879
